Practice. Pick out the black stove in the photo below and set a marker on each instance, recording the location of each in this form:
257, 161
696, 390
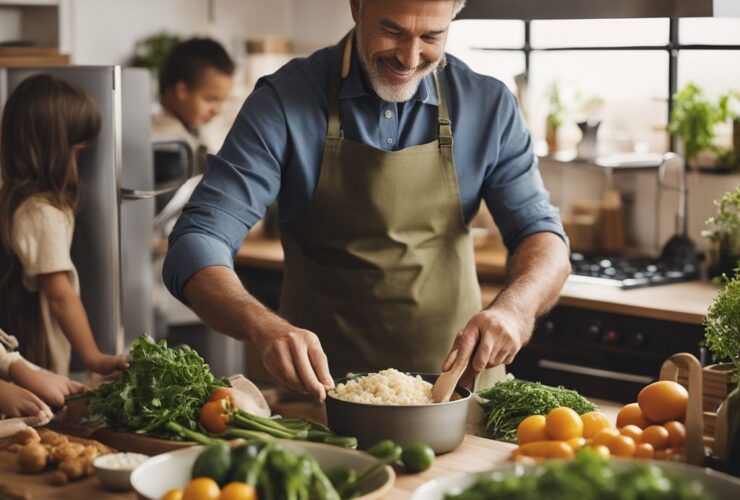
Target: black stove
622, 272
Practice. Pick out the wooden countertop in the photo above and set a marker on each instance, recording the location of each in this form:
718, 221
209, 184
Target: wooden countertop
681, 302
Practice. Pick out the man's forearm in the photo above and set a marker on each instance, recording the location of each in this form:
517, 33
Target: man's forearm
536, 274
219, 298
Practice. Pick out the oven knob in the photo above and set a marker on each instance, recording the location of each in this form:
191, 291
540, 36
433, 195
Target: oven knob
635, 339
610, 337
548, 327
593, 332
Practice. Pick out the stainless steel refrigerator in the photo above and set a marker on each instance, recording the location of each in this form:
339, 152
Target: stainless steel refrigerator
113, 230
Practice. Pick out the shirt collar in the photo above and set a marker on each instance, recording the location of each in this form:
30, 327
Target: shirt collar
356, 84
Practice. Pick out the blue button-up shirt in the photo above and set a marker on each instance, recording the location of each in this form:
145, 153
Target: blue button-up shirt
274, 151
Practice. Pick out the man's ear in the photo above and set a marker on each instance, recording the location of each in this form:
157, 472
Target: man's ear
181, 90
355, 6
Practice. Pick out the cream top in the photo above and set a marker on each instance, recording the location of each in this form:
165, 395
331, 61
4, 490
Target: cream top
42, 239
6, 358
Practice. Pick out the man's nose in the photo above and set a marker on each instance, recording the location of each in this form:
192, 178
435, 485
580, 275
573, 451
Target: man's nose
409, 53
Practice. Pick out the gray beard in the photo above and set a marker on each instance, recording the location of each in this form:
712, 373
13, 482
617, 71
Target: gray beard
392, 92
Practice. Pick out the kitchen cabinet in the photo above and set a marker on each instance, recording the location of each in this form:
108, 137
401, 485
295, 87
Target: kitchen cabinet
35, 32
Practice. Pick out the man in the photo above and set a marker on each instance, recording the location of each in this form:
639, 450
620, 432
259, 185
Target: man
194, 81
376, 188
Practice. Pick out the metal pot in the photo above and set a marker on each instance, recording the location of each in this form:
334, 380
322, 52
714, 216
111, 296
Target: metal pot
441, 425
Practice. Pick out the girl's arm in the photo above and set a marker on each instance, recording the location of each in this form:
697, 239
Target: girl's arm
67, 309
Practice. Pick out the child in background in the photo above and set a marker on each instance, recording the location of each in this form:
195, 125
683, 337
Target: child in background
45, 124
194, 81
33, 389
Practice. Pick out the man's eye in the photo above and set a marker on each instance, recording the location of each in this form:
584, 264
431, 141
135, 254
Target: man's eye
430, 38
391, 32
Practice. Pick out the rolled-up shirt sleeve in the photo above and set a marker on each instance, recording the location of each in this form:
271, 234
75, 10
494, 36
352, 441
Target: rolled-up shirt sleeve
240, 182
513, 190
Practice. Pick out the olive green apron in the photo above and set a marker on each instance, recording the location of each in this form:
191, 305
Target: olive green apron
380, 264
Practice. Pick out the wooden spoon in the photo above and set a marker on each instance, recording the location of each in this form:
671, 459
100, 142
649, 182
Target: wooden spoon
446, 383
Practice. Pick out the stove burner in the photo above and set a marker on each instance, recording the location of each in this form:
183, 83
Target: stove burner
626, 273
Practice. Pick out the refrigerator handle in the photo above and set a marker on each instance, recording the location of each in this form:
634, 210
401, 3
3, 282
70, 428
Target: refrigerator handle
138, 194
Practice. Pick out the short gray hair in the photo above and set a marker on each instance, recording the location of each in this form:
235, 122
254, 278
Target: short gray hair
459, 4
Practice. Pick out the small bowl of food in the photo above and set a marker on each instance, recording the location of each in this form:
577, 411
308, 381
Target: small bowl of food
114, 470
398, 406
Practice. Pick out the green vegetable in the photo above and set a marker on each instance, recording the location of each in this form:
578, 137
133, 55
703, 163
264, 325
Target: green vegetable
588, 477
722, 322
383, 449
246, 425
343, 478
160, 386
509, 402
417, 457
213, 462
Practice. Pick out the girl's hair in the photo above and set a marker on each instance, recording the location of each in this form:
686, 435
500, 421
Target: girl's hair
45, 122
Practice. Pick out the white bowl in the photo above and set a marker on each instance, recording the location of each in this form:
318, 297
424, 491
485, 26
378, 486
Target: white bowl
159, 474
719, 485
116, 477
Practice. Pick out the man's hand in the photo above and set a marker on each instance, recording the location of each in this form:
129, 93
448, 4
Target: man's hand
491, 337
295, 358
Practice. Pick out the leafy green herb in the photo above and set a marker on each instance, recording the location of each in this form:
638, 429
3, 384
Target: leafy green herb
722, 322
509, 402
161, 385
588, 477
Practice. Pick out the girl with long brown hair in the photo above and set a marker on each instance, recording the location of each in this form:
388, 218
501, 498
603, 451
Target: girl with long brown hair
46, 122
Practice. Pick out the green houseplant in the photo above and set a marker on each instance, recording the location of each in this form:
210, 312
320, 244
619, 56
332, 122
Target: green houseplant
724, 234
693, 119
722, 332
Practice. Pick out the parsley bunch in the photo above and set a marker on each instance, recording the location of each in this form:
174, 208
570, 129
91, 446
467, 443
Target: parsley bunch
160, 385
722, 322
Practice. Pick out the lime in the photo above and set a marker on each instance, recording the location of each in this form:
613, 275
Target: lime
417, 457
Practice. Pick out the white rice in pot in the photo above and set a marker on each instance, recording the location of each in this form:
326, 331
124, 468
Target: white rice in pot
387, 387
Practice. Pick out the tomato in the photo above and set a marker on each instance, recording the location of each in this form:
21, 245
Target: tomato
576, 443
220, 393
663, 401
563, 423
632, 431
644, 450
417, 457
601, 450
559, 449
173, 494
535, 449
531, 429
676, 433
593, 422
604, 437
622, 446
631, 414
202, 488
238, 491
657, 436
214, 416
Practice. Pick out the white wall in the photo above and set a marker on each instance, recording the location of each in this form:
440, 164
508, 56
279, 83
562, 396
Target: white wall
314, 24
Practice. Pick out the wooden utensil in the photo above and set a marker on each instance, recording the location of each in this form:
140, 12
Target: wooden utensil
445, 384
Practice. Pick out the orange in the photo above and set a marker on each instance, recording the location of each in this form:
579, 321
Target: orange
560, 449
238, 491
644, 450
531, 429
631, 414
632, 431
622, 446
173, 494
576, 443
663, 401
563, 423
657, 436
601, 450
535, 449
676, 433
604, 437
593, 422
202, 488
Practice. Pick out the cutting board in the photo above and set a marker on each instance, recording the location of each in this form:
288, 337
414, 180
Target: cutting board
123, 441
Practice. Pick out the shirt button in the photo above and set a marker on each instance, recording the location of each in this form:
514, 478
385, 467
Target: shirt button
388, 115
390, 141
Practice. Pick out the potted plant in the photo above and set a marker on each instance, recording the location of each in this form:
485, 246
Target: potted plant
693, 119
554, 118
722, 332
151, 52
724, 235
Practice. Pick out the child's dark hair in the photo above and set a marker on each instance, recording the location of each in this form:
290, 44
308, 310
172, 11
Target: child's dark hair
45, 122
189, 60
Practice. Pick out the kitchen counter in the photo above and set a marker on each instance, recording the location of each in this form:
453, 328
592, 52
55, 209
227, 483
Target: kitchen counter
475, 454
681, 302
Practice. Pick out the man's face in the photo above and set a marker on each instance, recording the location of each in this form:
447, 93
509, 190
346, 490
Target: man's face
198, 106
400, 42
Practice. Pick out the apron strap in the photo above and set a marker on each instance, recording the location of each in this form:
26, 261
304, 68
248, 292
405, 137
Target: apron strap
340, 70
445, 125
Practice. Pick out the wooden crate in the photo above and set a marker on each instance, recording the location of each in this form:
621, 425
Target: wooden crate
717, 384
